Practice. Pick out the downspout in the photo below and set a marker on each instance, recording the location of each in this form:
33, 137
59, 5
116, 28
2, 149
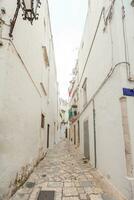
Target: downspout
95, 146
1, 24
129, 75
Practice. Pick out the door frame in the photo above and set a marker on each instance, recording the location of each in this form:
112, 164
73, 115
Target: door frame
86, 139
74, 134
48, 135
78, 124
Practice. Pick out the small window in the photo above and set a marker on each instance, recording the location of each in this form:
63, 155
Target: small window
44, 23
75, 113
82, 45
42, 121
84, 87
45, 54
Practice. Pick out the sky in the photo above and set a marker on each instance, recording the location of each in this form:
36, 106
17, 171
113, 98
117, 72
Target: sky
67, 20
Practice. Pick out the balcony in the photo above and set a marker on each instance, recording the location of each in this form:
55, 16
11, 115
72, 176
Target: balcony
73, 113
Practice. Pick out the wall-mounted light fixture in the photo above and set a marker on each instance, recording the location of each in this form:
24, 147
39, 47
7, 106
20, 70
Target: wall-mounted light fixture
132, 3
2, 13
29, 9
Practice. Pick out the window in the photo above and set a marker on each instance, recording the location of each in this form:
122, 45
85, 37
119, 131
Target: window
45, 25
75, 113
42, 121
45, 54
82, 45
84, 87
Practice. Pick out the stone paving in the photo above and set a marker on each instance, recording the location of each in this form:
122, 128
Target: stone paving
64, 171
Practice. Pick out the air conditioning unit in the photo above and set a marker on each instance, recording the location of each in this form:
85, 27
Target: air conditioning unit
132, 3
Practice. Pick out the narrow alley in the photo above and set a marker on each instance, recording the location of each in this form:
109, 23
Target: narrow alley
66, 100
65, 172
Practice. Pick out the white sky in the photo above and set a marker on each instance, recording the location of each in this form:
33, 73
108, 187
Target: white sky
67, 19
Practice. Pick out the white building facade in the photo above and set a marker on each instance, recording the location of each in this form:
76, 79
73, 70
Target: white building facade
106, 95
63, 119
74, 126
28, 95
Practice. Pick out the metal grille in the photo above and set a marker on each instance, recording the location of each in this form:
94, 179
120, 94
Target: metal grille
46, 195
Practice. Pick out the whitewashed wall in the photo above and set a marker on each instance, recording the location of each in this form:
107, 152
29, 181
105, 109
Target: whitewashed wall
108, 50
22, 99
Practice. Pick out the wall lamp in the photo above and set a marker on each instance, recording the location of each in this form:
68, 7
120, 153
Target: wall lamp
132, 3
29, 9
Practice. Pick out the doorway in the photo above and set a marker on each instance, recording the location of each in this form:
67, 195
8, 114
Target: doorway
54, 132
48, 131
78, 133
74, 135
86, 140
66, 132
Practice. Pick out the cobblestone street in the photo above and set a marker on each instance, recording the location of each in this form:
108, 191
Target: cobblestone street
63, 170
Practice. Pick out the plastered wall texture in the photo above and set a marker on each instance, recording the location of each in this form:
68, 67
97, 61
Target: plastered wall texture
22, 100
106, 60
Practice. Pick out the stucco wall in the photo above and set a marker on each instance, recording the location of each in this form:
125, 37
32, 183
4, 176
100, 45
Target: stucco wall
109, 130
22, 99
99, 52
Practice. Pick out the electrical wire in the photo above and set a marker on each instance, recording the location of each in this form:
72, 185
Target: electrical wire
125, 36
112, 46
127, 64
96, 31
4, 22
103, 83
19, 56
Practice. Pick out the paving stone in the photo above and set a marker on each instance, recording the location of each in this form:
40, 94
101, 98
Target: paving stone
24, 191
43, 185
70, 198
29, 184
80, 190
58, 194
22, 197
58, 198
83, 196
86, 184
107, 197
70, 191
62, 171
69, 184
34, 194
88, 190
95, 197
77, 184
96, 190
55, 184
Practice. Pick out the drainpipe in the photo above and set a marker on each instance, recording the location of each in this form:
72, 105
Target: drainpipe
94, 122
1, 25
